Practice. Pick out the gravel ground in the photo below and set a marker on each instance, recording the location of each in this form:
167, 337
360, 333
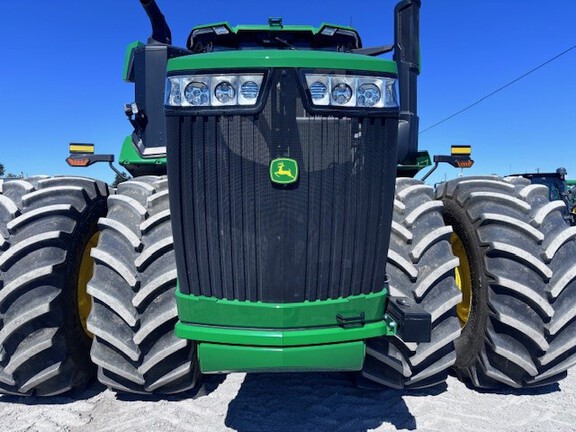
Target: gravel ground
298, 402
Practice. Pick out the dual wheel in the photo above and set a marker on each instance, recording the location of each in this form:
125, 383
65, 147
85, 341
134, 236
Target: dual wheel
87, 281
492, 261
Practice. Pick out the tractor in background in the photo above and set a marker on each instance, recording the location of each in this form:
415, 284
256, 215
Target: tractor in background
559, 188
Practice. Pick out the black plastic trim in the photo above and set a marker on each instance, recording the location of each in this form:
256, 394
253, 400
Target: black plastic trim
414, 322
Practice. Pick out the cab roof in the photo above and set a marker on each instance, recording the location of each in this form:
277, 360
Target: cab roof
222, 36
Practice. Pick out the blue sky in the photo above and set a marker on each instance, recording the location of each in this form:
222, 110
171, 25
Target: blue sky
60, 74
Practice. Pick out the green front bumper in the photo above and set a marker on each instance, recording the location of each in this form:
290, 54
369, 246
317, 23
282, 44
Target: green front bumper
254, 336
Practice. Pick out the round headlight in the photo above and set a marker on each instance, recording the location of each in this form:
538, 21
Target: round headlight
224, 92
368, 95
196, 93
341, 93
249, 90
318, 90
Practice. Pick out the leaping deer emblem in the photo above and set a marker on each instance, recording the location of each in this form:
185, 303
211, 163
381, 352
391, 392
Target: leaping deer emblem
284, 172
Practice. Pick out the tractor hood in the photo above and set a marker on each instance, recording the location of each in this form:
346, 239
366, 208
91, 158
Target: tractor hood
281, 58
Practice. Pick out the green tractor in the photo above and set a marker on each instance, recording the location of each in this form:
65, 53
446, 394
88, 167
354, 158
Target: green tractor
559, 188
272, 224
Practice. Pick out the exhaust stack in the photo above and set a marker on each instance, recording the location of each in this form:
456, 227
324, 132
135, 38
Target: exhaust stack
160, 30
407, 57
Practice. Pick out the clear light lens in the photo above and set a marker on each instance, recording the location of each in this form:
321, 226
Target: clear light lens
318, 85
360, 91
249, 90
213, 90
341, 94
368, 95
175, 92
318, 90
390, 94
197, 94
225, 93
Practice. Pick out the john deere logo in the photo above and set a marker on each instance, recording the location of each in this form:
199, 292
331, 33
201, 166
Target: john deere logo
283, 171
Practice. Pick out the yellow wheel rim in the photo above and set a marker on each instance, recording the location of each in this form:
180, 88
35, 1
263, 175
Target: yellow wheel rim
85, 274
463, 279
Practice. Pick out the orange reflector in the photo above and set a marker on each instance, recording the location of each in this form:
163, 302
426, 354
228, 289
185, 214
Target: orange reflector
78, 162
465, 163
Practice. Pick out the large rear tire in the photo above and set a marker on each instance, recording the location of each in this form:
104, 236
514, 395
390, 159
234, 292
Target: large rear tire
421, 267
133, 287
520, 330
45, 227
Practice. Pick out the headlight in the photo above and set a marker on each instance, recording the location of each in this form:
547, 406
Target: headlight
225, 93
341, 94
368, 95
249, 90
196, 93
213, 90
352, 91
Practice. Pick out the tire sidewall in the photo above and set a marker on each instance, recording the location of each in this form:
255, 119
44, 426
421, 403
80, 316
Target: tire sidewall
471, 342
77, 339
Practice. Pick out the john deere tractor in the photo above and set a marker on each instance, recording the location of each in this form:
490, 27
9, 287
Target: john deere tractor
273, 223
559, 188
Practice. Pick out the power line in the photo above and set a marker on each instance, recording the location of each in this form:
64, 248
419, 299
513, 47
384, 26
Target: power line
499, 89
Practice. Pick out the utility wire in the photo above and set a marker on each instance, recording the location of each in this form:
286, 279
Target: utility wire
499, 89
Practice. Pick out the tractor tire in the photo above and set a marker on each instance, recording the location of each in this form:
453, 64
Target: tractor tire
133, 288
520, 329
420, 266
46, 229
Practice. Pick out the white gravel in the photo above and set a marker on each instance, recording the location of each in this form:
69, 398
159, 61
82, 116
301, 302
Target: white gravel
298, 402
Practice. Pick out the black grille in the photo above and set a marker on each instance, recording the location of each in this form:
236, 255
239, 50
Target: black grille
239, 236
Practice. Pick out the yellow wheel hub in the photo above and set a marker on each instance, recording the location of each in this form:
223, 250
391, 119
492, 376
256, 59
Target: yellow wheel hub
463, 279
84, 275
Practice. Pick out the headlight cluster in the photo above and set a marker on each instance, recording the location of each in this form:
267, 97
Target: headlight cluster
213, 90
352, 91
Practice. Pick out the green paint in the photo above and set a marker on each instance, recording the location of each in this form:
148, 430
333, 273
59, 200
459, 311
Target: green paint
336, 357
281, 337
409, 168
210, 311
281, 58
234, 322
284, 171
129, 155
127, 74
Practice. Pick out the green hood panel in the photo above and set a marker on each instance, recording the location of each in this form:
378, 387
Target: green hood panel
281, 58
128, 69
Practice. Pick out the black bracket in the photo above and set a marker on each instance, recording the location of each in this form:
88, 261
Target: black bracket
351, 320
136, 117
86, 159
458, 161
414, 322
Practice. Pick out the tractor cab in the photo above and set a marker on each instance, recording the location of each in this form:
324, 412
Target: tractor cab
558, 189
